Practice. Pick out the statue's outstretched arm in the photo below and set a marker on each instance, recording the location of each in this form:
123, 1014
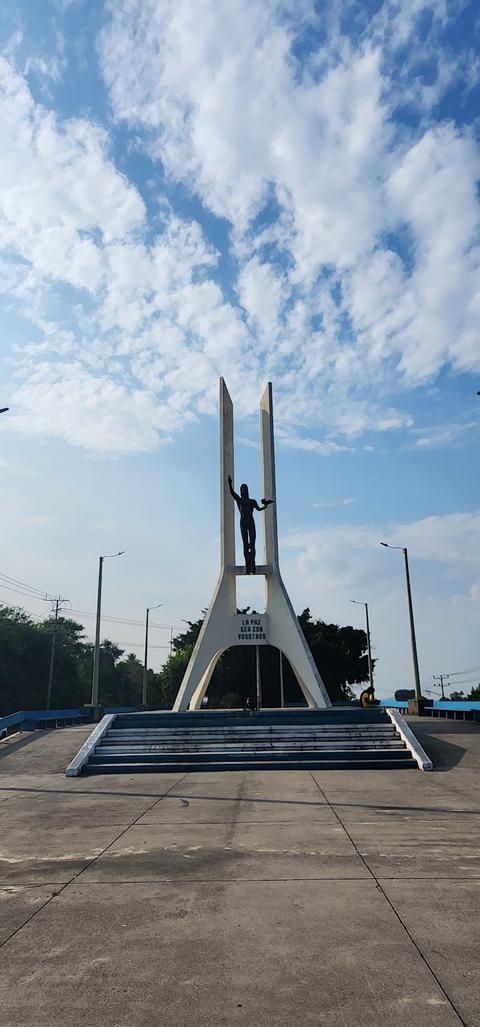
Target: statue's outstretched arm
266, 502
232, 492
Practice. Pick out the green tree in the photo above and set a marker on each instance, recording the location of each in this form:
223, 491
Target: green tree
166, 683
340, 654
129, 681
24, 661
70, 685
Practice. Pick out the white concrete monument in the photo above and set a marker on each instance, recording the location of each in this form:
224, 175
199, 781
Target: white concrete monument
223, 626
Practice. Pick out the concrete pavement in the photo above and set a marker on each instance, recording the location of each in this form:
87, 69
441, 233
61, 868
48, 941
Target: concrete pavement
280, 898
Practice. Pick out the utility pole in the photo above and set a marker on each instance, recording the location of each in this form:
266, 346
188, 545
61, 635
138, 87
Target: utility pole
282, 689
416, 673
440, 678
145, 659
258, 677
369, 647
96, 651
57, 606
370, 664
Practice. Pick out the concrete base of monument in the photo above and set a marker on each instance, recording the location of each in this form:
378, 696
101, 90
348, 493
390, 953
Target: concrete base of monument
330, 739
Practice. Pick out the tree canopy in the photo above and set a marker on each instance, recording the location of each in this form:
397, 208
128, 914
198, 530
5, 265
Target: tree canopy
339, 653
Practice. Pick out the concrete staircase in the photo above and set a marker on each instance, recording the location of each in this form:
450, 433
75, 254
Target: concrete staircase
335, 739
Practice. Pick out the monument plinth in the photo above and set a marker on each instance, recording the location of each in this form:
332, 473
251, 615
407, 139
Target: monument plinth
223, 626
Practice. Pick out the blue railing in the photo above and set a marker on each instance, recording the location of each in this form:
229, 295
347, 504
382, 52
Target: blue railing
29, 720
441, 707
460, 704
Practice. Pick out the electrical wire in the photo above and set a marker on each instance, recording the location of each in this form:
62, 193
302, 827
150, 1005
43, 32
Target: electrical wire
458, 673
167, 627
124, 620
135, 645
467, 681
46, 597
32, 590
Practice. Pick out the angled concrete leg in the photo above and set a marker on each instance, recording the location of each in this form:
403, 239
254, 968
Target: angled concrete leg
286, 634
199, 693
214, 638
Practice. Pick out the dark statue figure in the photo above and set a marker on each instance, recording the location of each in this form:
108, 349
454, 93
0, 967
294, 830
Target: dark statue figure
246, 507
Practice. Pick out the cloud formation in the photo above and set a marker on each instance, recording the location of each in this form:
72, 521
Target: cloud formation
352, 232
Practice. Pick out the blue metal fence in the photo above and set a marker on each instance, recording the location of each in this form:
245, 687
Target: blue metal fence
468, 708
30, 720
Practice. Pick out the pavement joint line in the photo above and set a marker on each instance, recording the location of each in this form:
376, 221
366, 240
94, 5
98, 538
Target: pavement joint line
394, 910
265, 880
213, 823
226, 880
82, 871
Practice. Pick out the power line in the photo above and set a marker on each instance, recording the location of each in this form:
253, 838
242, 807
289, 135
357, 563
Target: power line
467, 681
458, 673
124, 620
46, 597
135, 645
117, 620
32, 589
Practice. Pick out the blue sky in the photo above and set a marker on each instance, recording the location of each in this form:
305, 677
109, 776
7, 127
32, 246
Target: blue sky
265, 191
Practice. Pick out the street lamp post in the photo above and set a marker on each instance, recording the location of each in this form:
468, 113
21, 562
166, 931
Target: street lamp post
416, 674
369, 648
145, 660
96, 651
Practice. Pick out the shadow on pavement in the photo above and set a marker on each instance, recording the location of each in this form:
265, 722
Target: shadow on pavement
185, 798
434, 735
6, 749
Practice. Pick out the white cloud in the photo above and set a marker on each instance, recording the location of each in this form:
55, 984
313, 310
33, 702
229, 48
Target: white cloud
452, 433
227, 111
327, 308
334, 565
58, 188
327, 503
69, 402
289, 439
452, 537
